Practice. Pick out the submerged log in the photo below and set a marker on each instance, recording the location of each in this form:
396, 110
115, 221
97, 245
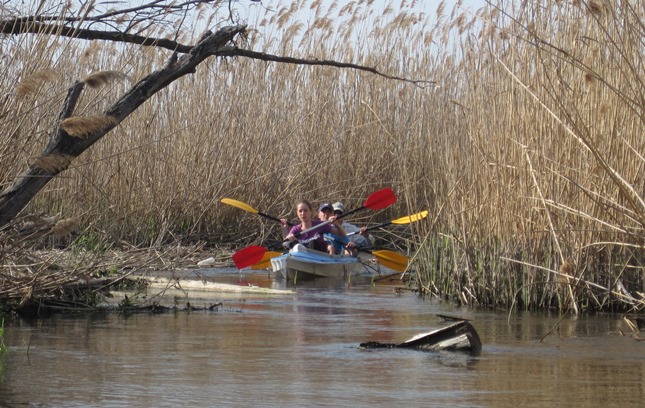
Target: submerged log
460, 336
206, 286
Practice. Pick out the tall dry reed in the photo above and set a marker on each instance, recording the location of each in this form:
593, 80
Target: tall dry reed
527, 150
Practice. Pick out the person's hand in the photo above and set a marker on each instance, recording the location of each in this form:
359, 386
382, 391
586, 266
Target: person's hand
291, 237
350, 245
363, 230
284, 227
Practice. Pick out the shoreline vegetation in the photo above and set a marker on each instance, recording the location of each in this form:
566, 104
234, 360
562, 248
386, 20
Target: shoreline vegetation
527, 148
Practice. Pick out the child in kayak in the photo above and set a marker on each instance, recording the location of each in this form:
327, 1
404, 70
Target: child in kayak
358, 238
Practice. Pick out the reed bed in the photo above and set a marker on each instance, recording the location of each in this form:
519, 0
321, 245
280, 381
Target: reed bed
526, 144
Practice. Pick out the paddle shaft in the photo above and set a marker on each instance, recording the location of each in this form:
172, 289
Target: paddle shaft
376, 201
317, 226
273, 218
312, 228
246, 207
403, 220
268, 216
385, 224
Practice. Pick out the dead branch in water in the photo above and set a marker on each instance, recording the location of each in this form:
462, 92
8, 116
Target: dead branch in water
32, 278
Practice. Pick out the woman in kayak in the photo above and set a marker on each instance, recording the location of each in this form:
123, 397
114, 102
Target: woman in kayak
314, 239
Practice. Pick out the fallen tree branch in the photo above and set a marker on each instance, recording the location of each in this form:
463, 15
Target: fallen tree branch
64, 147
21, 26
329, 63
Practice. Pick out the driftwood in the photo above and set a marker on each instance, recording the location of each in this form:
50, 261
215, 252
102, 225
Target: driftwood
460, 336
208, 288
36, 282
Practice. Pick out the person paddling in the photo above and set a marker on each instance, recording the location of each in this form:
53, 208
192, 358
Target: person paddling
339, 238
313, 239
359, 237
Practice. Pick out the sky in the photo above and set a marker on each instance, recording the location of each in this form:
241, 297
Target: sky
249, 9
428, 5
254, 12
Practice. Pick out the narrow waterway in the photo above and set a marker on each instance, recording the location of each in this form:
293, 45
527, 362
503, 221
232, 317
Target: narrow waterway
301, 350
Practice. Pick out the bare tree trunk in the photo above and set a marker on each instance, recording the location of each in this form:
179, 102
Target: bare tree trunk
64, 148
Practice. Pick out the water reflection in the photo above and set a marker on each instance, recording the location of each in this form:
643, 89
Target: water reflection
301, 350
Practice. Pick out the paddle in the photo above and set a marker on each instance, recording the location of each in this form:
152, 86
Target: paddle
253, 254
403, 220
399, 221
244, 206
265, 262
389, 259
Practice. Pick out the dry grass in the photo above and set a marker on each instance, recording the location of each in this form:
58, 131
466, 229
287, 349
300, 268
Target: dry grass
529, 152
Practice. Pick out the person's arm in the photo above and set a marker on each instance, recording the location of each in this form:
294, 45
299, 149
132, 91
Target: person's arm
291, 236
337, 228
285, 227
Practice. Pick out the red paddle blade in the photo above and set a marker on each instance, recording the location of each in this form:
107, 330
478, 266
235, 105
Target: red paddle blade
248, 256
380, 199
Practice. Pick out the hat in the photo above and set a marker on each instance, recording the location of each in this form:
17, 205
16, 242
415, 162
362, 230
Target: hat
339, 207
324, 206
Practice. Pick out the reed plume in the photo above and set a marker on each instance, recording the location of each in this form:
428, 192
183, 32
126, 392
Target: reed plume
82, 126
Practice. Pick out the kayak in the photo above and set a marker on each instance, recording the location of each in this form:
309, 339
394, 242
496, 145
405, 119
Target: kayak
305, 263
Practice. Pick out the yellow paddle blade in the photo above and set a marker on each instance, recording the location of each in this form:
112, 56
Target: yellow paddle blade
411, 218
265, 263
240, 205
391, 260
262, 265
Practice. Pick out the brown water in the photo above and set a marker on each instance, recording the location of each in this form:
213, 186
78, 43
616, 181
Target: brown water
301, 350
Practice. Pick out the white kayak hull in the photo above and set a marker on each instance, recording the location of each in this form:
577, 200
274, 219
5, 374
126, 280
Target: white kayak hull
304, 263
